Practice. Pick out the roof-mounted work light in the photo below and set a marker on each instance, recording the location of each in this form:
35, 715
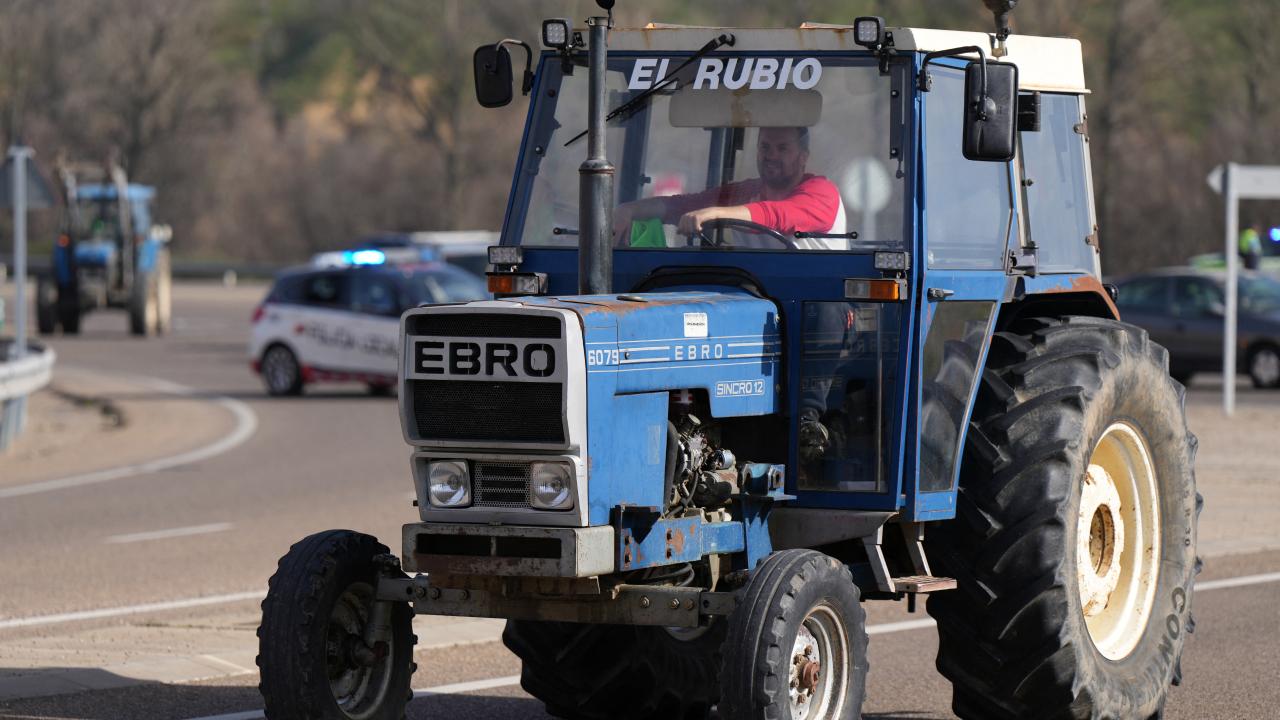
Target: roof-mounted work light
869, 32
556, 33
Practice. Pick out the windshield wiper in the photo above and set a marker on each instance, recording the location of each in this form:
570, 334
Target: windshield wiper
633, 103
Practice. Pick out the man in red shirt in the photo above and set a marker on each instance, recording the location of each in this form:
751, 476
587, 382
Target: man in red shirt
783, 198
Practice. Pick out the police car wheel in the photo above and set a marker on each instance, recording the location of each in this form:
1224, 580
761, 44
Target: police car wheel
1264, 367
1074, 541
313, 655
281, 372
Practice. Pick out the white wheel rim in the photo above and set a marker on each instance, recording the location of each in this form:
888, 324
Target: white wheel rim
1118, 541
1266, 367
819, 666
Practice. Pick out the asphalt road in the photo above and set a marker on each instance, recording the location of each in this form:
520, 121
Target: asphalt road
335, 458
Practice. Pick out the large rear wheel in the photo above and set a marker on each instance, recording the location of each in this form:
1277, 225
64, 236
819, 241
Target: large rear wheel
143, 306
1075, 534
46, 306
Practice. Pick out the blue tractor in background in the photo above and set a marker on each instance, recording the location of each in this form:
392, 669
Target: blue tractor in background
109, 253
831, 331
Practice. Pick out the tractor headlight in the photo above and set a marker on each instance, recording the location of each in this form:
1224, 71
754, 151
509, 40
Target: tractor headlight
449, 483
551, 486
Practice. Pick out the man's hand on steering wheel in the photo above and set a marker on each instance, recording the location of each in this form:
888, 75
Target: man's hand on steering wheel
696, 224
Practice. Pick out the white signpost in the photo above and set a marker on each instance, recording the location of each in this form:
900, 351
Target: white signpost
1235, 183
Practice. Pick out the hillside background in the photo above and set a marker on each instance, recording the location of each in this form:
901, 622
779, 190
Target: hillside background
274, 128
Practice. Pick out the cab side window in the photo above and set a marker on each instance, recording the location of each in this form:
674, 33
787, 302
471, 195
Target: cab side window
376, 295
968, 205
1057, 187
327, 290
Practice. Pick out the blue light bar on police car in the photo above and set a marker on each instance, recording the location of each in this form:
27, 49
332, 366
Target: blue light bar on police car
365, 257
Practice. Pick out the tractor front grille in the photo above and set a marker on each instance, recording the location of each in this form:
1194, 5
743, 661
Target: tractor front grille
500, 484
492, 412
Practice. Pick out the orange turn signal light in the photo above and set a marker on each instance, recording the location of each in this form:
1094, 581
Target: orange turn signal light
875, 290
517, 283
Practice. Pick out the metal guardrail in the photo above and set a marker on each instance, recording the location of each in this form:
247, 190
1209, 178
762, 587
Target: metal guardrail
18, 379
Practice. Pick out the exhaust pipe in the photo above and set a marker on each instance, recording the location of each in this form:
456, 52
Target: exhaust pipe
595, 176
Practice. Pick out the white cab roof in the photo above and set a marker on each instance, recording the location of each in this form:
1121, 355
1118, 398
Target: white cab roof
1047, 64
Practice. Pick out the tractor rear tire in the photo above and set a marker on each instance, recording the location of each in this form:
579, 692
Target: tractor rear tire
617, 672
69, 313
143, 310
46, 306
797, 642
310, 641
1074, 542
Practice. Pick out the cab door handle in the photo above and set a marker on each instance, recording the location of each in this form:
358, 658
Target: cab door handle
940, 293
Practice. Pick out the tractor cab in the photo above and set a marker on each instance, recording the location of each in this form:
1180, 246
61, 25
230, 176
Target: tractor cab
890, 248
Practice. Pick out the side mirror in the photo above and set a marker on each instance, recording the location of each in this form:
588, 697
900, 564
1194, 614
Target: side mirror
493, 75
990, 111
1215, 309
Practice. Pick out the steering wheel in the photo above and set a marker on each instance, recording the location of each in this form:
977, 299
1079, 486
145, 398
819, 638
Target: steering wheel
744, 225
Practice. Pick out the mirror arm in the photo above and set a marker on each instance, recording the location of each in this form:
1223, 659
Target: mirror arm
925, 82
526, 83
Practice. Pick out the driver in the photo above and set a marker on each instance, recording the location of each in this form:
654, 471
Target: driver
784, 198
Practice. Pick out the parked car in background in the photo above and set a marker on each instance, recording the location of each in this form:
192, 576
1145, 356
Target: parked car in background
1182, 309
330, 322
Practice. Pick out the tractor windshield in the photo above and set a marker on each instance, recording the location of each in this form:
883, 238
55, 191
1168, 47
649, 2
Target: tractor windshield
778, 152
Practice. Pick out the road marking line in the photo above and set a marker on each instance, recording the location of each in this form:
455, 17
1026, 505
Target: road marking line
1238, 581
893, 627
246, 424
238, 669
470, 686
130, 610
170, 533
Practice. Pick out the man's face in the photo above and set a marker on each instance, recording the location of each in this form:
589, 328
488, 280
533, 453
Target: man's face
779, 157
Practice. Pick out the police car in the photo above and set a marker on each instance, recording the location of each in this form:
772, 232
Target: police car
340, 320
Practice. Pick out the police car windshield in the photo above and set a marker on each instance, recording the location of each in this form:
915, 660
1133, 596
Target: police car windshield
802, 142
445, 285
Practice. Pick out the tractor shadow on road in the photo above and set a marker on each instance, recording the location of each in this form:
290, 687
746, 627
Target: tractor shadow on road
158, 701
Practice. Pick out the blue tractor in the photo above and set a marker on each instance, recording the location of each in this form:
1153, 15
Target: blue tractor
830, 331
108, 254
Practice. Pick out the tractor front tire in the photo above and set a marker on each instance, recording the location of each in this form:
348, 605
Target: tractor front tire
618, 672
46, 306
1074, 542
797, 642
311, 652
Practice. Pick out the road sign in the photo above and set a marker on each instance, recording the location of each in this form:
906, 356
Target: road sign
1251, 182
38, 193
